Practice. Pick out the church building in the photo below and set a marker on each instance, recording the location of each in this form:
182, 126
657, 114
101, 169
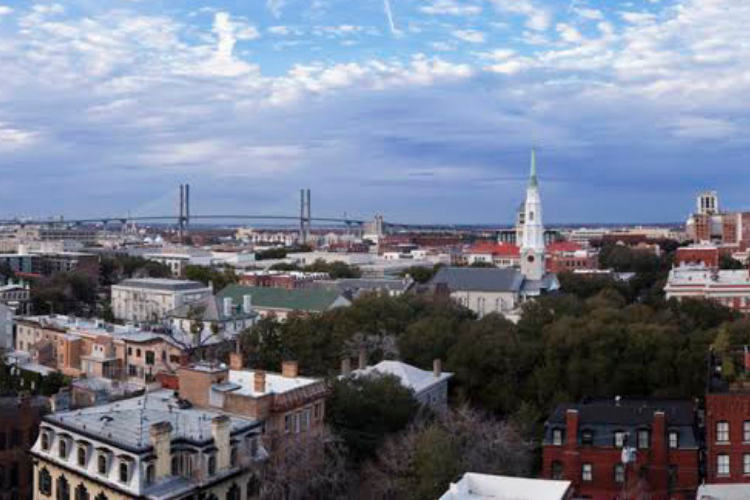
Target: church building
504, 290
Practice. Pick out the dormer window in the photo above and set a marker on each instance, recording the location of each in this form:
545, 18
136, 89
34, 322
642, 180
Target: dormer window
557, 437
211, 465
619, 439
150, 474
587, 437
82, 455
124, 471
643, 439
102, 464
45, 441
233, 456
62, 448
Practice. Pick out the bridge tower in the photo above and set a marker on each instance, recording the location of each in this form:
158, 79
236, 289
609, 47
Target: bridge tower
305, 216
183, 221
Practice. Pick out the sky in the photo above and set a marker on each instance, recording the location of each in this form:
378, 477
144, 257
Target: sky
420, 110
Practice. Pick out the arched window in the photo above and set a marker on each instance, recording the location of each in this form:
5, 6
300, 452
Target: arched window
176, 465
150, 474
124, 472
63, 488
82, 493
211, 465
45, 482
101, 496
233, 493
45, 441
233, 456
62, 448
102, 463
82, 456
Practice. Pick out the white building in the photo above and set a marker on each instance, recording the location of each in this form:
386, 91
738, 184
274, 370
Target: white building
352, 259
488, 487
221, 318
728, 287
429, 388
6, 327
733, 491
150, 299
149, 447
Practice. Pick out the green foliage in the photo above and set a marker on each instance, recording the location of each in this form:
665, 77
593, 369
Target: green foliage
482, 264
363, 410
65, 293
336, 270
728, 262
421, 274
6, 272
280, 253
429, 338
437, 462
206, 275
112, 270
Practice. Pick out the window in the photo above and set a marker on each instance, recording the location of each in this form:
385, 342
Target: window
211, 465
587, 437
150, 358
81, 493
672, 477
233, 456
587, 472
45, 441
722, 432
674, 440
137, 353
746, 431
722, 465
318, 411
557, 437
288, 418
297, 422
233, 493
45, 482
63, 488
101, 496
176, 465
254, 447
130, 351
619, 439
643, 439
101, 464
150, 474
619, 473
82, 456
557, 470
746, 464
62, 448
253, 487
124, 472
306, 419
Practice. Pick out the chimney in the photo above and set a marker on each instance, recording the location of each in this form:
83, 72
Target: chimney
235, 361
747, 359
346, 366
362, 359
259, 380
228, 307
161, 441
220, 427
247, 304
571, 428
659, 444
289, 369
437, 368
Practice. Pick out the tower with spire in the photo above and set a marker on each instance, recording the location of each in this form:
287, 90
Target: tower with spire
532, 245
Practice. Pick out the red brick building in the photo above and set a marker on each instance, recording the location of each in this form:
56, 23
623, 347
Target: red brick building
565, 256
728, 419
586, 443
705, 255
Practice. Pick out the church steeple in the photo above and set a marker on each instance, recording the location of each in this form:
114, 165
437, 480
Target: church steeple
532, 246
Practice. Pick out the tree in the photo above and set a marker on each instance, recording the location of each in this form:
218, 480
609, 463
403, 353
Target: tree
421, 274
429, 338
421, 462
363, 410
262, 345
208, 275
728, 262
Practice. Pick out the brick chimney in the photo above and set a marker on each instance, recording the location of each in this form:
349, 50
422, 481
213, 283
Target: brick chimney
660, 471
259, 381
161, 441
346, 366
235, 361
571, 428
289, 369
220, 427
437, 368
571, 453
362, 359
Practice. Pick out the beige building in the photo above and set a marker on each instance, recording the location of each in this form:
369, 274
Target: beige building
291, 407
149, 447
149, 300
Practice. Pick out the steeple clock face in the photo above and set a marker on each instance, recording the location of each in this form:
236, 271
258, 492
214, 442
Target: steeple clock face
530, 259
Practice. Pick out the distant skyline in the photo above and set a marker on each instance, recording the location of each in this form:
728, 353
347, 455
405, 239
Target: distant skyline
422, 110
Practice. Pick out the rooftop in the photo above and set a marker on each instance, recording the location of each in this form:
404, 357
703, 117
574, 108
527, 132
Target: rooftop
410, 376
128, 423
479, 279
242, 383
627, 411
162, 284
486, 487
299, 299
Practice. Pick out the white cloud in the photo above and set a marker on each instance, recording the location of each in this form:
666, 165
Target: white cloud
279, 30
469, 35
568, 33
276, 7
5, 10
451, 8
537, 18
12, 138
698, 127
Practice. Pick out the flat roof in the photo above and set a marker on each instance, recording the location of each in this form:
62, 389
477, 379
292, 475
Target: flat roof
475, 486
162, 284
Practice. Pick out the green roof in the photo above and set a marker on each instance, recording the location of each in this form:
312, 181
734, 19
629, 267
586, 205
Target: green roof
300, 299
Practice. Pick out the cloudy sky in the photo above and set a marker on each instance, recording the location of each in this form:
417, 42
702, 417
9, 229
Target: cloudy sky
423, 110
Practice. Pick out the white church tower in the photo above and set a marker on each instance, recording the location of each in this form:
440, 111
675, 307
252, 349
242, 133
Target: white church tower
532, 246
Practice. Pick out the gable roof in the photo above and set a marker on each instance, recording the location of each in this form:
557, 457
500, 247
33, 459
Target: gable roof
298, 299
212, 310
411, 377
479, 279
627, 411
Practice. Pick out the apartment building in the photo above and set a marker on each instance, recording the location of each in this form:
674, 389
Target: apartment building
148, 300
151, 447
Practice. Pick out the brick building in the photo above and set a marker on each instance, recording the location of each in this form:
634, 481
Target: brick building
567, 256
728, 418
703, 255
19, 427
586, 443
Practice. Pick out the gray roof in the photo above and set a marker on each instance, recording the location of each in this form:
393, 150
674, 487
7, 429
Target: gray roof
128, 423
163, 284
479, 279
213, 310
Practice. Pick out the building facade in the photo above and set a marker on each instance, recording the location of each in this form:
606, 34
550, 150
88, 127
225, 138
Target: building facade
19, 426
625, 449
727, 287
150, 299
149, 447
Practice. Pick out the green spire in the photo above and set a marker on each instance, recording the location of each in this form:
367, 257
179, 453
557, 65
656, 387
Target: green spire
533, 181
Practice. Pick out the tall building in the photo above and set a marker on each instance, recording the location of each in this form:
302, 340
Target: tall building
150, 299
532, 246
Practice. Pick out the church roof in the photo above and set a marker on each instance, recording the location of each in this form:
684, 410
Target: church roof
479, 279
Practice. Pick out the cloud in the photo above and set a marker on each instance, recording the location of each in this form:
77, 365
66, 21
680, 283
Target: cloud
5, 10
450, 8
568, 33
468, 35
537, 18
276, 7
279, 30
389, 17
